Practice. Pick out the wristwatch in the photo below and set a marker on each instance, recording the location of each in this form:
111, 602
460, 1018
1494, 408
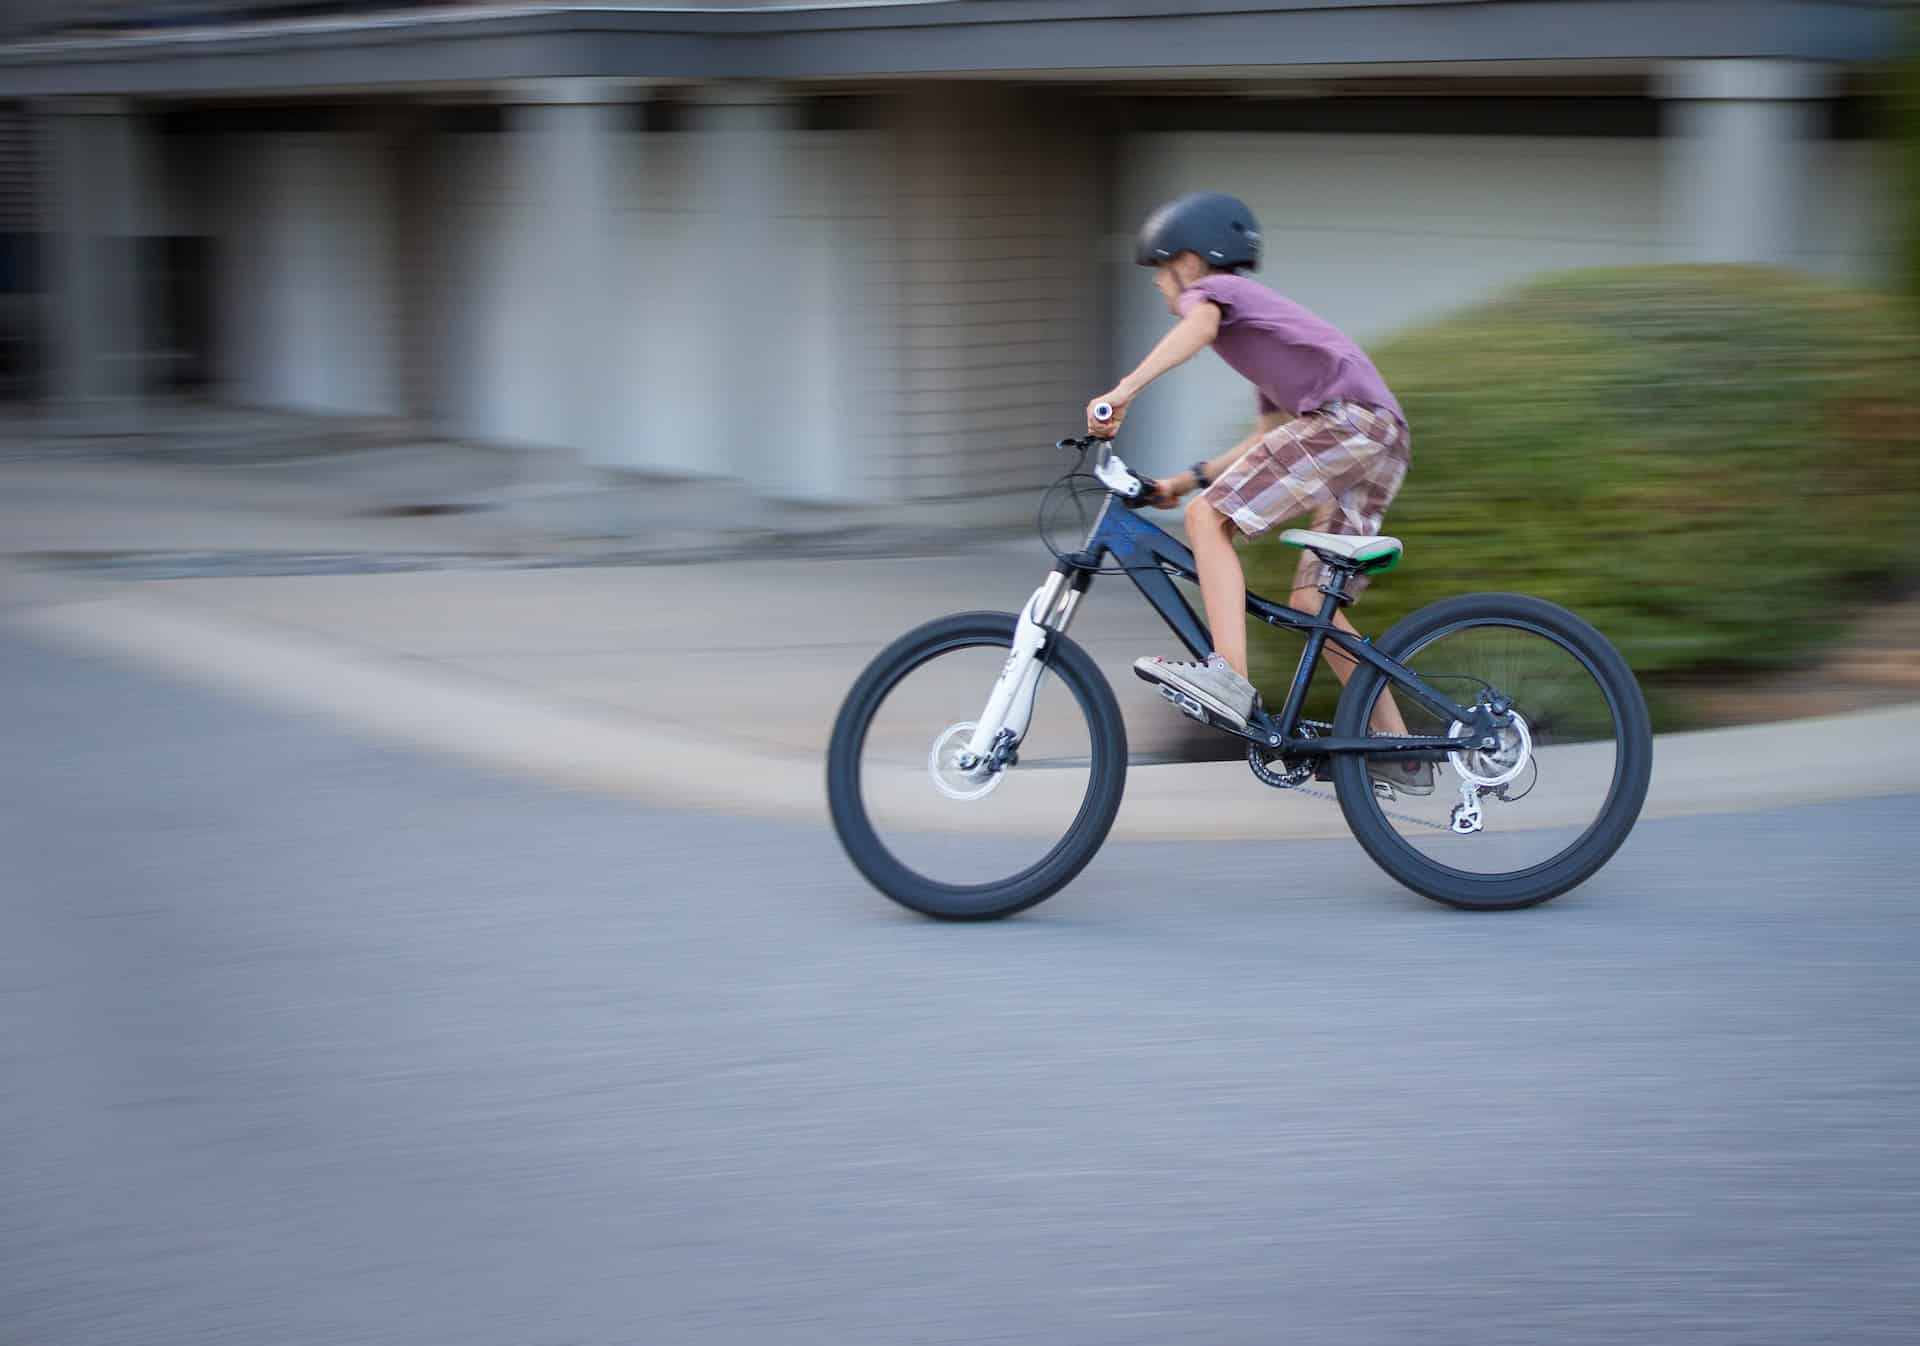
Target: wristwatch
1200, 478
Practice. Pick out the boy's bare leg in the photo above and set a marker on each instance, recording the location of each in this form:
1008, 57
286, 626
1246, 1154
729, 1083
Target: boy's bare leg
1386, 717
1223, 586
1223, 590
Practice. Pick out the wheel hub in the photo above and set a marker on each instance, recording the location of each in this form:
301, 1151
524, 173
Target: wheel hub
955, 781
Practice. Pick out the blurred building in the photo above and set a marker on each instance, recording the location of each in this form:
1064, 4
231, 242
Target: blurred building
855, 251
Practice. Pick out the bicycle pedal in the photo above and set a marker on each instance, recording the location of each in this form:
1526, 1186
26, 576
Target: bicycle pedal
1194, 709
1187, 704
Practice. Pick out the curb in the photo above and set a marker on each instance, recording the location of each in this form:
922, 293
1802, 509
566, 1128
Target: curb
424, 705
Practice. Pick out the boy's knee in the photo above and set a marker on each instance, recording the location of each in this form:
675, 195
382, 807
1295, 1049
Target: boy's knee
1201, 514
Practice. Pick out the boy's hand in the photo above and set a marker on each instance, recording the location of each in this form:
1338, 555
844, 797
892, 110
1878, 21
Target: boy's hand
1166, 492
1106, 429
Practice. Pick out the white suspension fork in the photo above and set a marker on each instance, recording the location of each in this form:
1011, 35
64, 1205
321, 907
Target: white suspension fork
1010, 707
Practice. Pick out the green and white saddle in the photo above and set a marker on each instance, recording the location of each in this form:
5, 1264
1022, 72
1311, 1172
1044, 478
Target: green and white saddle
1370, 555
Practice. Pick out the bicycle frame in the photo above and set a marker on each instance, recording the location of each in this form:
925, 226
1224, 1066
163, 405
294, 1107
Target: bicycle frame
1148, 553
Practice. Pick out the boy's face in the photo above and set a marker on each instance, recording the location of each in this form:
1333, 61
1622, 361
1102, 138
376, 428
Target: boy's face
1174, 275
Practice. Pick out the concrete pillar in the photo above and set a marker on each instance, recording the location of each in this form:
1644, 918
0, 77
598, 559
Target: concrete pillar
411, 188
1739, 139
751, 321
568, 138
100, 331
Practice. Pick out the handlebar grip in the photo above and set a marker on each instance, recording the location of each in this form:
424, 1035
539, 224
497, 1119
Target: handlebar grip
1103, 412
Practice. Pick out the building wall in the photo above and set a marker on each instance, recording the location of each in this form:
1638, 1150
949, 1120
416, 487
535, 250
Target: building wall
759, 252
998, 274
946, 277
1850, 227
917, 324
684, 345
20, 206
822, 312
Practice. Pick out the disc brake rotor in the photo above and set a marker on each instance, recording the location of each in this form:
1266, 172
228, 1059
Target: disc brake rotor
1499, 764
949, 778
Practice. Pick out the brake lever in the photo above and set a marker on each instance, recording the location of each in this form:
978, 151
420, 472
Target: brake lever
1115, 479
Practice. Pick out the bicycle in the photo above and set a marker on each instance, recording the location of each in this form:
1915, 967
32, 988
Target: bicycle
1553, 701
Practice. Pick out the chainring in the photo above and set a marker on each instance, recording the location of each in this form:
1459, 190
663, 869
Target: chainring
1292, 772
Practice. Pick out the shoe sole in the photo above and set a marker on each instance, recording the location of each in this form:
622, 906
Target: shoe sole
1397, 789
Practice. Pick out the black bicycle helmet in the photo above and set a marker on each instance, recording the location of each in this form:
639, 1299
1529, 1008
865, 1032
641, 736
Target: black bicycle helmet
1218, 227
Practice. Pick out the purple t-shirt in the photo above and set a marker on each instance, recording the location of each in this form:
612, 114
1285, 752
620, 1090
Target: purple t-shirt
1295, 359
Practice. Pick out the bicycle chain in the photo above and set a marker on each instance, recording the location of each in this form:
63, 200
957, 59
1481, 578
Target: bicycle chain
1384, 811
1318, 726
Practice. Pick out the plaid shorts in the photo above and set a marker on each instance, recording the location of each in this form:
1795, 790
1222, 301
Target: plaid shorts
1341, 463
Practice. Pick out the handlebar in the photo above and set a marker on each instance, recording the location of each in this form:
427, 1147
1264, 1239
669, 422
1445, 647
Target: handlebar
1113, 474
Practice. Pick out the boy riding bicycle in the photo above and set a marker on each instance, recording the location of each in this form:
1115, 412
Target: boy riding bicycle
1331, 441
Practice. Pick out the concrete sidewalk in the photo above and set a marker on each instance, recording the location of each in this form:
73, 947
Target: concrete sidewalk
561, 674
710, 685
211, 479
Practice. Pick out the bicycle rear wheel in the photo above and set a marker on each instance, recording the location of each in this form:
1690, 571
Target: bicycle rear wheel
1553, 801
949, 845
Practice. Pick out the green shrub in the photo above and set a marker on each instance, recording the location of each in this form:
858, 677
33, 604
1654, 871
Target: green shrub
1715, 465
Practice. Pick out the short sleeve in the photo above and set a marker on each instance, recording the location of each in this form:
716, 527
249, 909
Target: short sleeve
1201, 291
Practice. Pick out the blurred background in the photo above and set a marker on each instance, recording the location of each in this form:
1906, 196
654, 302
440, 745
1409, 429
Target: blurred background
584, 394
851, 266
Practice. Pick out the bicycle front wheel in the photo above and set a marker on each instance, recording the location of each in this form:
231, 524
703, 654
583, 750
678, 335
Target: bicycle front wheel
949, 844
1544, 809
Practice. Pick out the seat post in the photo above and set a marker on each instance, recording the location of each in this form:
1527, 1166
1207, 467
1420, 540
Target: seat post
1335, 590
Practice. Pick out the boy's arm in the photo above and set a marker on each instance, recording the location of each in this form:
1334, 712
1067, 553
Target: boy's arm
1191, 335
1269, 422
1170, 489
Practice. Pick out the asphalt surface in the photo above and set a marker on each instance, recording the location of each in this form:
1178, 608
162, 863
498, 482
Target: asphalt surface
306, 1040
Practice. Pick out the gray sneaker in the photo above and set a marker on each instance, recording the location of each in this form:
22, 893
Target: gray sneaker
1210, 688
1394, 776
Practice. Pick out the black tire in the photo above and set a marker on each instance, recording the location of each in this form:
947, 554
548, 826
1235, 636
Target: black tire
1067, 662
1578, 862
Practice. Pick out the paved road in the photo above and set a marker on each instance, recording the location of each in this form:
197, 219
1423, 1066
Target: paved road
309, 1041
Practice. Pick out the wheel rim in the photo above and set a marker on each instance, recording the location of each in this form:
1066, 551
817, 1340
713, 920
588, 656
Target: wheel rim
1005, 834
1574, 740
